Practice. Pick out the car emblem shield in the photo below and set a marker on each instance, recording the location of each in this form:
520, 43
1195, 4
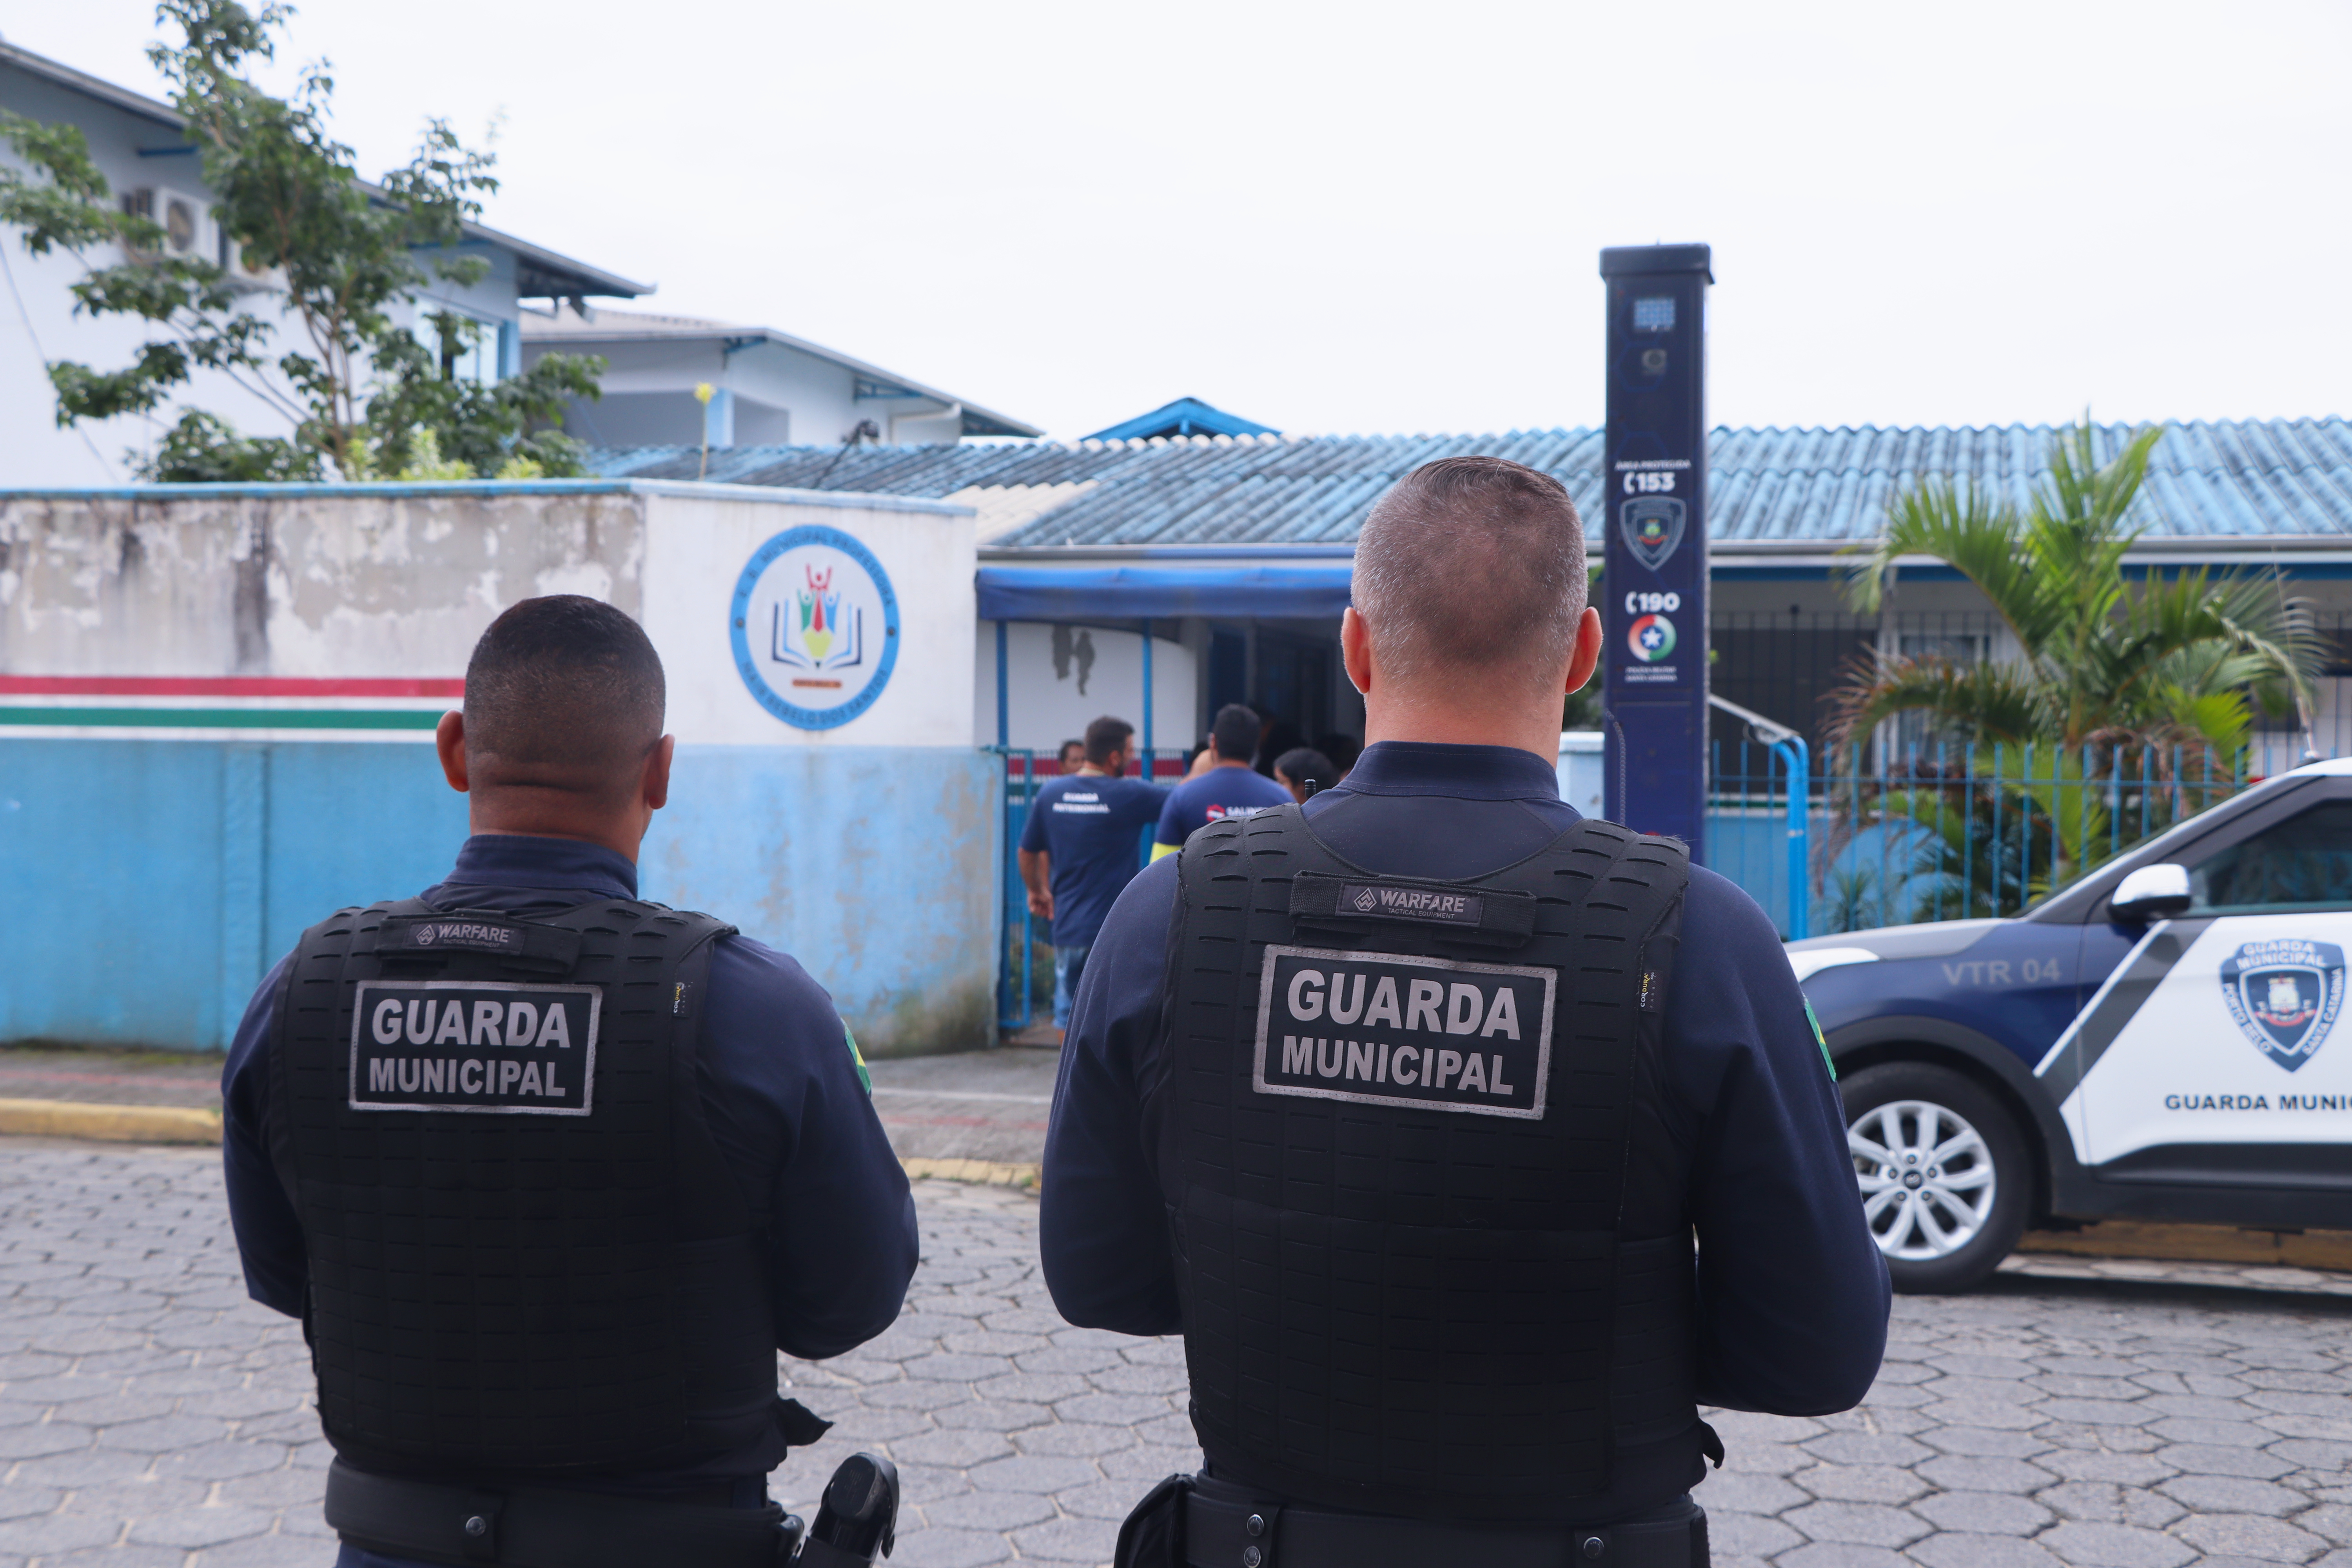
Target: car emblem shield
2285, 994
1653, 528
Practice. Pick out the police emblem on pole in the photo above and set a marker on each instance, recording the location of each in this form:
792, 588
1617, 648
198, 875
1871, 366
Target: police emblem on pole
2285, 994
1653, 528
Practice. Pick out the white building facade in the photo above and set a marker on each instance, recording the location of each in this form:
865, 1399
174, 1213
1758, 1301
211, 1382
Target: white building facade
768, 389
141, 146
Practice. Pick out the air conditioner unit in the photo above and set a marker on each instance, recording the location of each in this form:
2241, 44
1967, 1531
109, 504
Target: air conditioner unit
189, 232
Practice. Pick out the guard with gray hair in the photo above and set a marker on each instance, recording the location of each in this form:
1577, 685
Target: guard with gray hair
550, 1173
1407, 1105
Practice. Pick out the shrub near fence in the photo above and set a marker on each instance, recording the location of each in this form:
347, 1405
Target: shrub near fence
1950, 832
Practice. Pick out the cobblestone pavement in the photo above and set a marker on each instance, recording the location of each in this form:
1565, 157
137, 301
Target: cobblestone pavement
150, 1415
977, 1105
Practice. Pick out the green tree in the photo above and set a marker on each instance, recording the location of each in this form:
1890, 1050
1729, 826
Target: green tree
2105, 658
317, 253
2124, 688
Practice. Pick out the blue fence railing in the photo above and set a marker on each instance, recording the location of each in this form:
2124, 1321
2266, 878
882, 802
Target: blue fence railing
1933, 832
1858, 836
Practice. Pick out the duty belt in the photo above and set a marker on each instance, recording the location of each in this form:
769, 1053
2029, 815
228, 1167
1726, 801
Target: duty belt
533, 1526
1224, 1528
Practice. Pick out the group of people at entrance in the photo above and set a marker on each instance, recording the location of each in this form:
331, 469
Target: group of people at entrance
1080, 847
1471, 1145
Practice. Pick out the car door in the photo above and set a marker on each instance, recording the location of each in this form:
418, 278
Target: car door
2207, 1056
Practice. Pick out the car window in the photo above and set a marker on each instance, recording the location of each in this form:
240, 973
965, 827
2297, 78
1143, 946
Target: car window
2303, 863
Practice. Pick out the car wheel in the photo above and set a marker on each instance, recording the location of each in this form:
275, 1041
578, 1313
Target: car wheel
1944, 1180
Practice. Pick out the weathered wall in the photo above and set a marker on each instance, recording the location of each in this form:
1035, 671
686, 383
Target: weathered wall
390, 580
188, 679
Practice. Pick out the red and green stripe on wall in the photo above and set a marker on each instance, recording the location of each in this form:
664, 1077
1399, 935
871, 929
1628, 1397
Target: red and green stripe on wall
221, 707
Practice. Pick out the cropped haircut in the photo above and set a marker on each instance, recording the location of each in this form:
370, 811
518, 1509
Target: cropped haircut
1106, 735
566, 692
1234, 730
1472, 566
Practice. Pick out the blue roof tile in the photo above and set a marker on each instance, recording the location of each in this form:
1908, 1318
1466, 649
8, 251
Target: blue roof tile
2238, 480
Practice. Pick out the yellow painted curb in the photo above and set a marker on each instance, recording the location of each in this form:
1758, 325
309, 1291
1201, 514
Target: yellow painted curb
985, 1173
110, 1123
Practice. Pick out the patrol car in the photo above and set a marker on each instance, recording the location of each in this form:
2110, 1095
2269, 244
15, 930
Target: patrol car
2154, 1042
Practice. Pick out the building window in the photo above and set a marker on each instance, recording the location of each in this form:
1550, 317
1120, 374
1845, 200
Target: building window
467, 353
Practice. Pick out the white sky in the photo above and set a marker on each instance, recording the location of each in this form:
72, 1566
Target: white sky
1371, 219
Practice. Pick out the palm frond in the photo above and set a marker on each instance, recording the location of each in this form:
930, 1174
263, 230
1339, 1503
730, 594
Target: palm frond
1979, 701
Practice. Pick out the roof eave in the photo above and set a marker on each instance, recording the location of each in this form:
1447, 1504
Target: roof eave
977, 420
106, 92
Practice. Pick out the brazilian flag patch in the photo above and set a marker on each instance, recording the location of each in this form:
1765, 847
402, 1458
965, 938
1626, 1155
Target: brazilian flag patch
866, 1078
1818, 1040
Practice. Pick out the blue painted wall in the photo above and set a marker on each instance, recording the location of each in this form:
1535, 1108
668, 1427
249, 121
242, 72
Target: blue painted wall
150, 885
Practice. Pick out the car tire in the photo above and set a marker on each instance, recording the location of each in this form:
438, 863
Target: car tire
1945, 1180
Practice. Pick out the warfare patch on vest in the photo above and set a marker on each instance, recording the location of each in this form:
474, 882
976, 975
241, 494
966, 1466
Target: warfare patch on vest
1389, 1029
475, 1044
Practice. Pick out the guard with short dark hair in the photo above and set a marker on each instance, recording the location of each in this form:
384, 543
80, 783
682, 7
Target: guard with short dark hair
551, 1173
1406, 1105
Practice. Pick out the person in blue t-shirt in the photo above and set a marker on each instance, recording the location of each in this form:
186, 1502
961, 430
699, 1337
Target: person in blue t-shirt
1079, 849
1229, 788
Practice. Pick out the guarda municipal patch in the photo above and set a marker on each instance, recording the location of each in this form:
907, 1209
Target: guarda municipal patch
475, 1044
1385, 1029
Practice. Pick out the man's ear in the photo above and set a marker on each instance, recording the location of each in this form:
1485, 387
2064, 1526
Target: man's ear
450, 740
1355, 649
1587, 657
657, 780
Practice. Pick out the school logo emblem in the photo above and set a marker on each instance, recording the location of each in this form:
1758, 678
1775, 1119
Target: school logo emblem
1650, 638
2286, 995
816, 627
1653, 528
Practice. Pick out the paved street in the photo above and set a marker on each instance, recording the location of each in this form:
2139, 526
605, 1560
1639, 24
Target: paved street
150, 1415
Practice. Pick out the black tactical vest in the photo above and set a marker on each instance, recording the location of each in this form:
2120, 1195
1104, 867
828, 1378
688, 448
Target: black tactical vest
525, 1254
1395, 1135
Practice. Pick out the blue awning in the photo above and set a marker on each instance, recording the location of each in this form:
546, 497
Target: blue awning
1133, 593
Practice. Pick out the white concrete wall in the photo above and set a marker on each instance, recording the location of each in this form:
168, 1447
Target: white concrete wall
1047, 704
697, 547
390, 580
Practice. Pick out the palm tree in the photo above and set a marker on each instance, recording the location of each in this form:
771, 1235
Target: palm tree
2105, 660
2116, 676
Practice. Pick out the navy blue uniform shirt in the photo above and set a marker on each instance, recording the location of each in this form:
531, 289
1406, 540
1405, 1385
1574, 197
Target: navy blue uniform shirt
1220, 793
780, 1090
1092, 825
1792, 1293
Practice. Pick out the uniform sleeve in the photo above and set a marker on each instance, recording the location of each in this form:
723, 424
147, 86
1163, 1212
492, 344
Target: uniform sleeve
268, 1233
1103, 1228
789, 1109
1032, 831
1793, 1293
1172, 822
